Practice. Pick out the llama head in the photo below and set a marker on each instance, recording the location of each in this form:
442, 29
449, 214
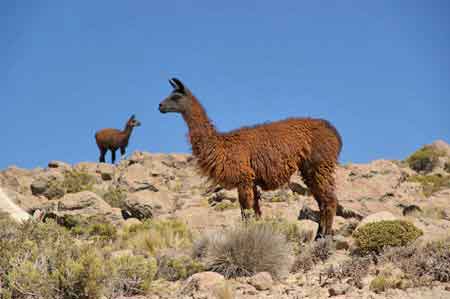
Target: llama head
179, 99
133, 122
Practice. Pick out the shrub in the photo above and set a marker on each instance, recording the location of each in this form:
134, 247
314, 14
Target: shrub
312, 253
74, 181
133, 275
424, 263
115, 197
42, 260
152, 236
425, 159
431, 183
248, 249
291, 230
173, 266
373, 237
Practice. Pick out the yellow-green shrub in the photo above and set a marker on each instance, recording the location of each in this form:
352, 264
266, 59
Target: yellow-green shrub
373, 237
431, 183
133, 274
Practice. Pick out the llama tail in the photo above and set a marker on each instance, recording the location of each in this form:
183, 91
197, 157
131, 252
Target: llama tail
13, 210
336, 133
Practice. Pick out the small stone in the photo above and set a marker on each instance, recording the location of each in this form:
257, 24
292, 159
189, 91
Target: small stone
340, 243
58, 164
338, 289
261, 281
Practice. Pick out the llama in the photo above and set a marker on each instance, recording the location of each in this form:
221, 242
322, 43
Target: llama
113, 139
264, 155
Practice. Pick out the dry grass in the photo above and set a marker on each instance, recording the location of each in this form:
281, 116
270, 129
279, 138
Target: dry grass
248, 249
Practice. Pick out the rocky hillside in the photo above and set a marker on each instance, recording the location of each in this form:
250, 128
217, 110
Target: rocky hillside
164, 187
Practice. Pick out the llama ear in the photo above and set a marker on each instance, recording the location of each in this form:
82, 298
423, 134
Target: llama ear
132, 117
177, 85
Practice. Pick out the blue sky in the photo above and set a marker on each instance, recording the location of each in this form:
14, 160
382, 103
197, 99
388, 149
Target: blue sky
378, 70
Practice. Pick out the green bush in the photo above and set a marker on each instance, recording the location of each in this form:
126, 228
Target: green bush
373, 237
425, 159
248, 249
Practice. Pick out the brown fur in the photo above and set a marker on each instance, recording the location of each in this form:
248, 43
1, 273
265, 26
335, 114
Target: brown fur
267, 155
113, 139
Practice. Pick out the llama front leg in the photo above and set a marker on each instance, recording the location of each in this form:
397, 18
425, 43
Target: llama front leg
113, 156
122, 153
246, 200
102, 155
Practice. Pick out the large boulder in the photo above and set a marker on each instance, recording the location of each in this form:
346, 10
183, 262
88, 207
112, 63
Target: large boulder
136, 178
83, 204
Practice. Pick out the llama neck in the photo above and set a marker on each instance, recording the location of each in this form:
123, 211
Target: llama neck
202, 133
127, 133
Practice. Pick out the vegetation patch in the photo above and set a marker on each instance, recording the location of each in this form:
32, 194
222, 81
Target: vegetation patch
74, 181
431, 183
373, 237
424, 159
115, 197
422, 263
248, 249
172, 266
225, 205
153, 236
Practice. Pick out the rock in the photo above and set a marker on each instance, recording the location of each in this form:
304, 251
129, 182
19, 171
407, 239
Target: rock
408, 210
441, 146
106, 171
84, 204
299, 189
376, 217
137, 178
338, 289
341, 243
147, 204
39, 187
261, 281
59, 164
203, 282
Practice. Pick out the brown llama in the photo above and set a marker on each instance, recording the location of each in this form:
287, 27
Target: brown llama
264, 155
113, 139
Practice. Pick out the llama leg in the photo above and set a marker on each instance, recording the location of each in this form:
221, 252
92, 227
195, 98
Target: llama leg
320, 181
113, 156
246, 199
257, 197
102, 155
122, 153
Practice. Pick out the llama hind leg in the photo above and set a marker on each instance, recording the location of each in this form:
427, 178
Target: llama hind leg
320, 181
246, 200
